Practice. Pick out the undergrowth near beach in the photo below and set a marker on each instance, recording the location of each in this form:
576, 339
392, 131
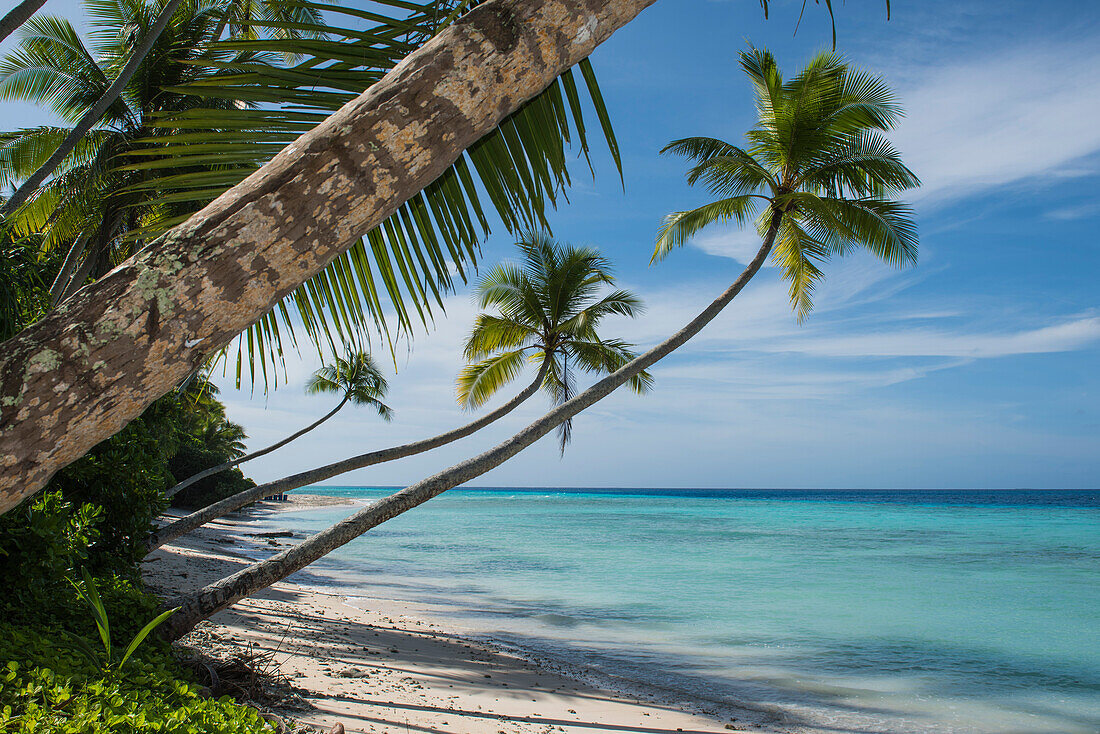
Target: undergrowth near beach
48, 687
47, 684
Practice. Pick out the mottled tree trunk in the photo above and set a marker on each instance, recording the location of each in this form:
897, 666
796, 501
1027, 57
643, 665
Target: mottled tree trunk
186, 524
98, 360
255, 454
246, 582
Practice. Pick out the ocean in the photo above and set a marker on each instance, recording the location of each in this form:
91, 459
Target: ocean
888, 611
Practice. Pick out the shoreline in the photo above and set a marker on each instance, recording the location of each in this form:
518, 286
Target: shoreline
394, 667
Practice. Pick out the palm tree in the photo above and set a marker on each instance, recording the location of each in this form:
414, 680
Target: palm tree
92, 206
817, 160
223, 437
549, 310
548, 314
823, 180
356, 378
249, 110
419, 234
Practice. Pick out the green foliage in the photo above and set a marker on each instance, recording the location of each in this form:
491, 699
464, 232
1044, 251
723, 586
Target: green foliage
192, 459
107, 664
23, 292
48, 689
42, 542
548, 311
815, 168
124, 477
357, 377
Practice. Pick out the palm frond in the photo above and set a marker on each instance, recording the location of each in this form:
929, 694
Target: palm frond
679, 227
479, 381
493, 333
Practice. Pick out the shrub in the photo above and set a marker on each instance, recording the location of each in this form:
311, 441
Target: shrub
190, 460
48, 687
46, 690
41, 542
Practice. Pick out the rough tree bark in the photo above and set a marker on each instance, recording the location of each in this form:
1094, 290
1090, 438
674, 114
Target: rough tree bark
255, 454
92, 365
217, 596
187, 523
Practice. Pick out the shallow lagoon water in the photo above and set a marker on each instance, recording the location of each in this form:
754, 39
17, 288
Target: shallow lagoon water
898, 611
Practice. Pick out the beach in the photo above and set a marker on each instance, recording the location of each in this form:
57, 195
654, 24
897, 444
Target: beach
389, 667
899, 612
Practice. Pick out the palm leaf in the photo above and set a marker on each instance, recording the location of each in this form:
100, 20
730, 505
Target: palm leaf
393, 279
479, 381
143, 633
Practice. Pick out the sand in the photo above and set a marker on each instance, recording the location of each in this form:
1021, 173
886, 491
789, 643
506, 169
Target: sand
391, 669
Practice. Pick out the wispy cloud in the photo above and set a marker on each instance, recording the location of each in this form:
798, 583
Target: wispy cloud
1065, 336
739, 244
1081, 211
978, 123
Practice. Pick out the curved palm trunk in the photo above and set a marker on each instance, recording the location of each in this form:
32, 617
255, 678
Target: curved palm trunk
18, 15
80, 374
200, 517
92, 116
246, 582
254, 455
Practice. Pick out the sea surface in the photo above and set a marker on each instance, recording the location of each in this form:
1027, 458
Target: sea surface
888, 611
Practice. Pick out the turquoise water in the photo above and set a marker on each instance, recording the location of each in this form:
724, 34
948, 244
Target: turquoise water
860, 611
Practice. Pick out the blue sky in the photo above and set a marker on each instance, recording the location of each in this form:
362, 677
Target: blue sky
977, 368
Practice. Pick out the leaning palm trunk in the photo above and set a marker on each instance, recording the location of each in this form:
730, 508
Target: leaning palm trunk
246, 582
83, 372
255, 454
200, 517
18, 15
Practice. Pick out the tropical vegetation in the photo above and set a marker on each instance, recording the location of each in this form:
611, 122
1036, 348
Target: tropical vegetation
355, 377
548, 310
819, 179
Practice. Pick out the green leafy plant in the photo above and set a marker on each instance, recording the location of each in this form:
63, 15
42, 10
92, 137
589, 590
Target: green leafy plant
106, 663
47, 688
41, 544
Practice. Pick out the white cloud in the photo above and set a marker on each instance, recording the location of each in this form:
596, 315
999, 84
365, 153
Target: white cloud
974, 124
737, 244
1066, 336
1081, 211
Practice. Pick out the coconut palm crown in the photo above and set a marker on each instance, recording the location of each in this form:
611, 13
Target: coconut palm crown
357, 378
548, 310
92, 198
815, 169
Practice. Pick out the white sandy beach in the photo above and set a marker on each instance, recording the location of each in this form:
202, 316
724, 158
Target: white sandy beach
391, 667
